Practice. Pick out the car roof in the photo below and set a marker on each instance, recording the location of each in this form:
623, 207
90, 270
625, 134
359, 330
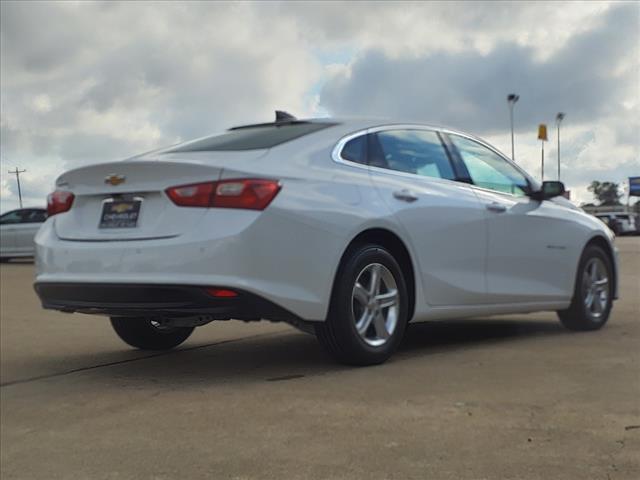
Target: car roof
353, 124
25, 208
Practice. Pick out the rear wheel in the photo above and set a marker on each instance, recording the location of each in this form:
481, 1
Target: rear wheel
148, 334
593, 294
368, 312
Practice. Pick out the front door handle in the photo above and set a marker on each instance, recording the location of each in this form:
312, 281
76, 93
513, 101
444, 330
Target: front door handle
496, 207
405, 195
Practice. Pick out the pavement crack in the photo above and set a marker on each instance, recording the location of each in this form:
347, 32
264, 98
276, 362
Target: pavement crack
285, 377
130, 360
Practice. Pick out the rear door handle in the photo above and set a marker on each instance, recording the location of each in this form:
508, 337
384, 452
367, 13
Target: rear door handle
496, 207
405, 195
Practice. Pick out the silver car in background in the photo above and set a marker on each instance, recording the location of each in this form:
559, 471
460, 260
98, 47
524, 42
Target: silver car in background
17, 229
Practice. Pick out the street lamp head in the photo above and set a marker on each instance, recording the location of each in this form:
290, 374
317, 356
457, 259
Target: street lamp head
512, 98
559, 117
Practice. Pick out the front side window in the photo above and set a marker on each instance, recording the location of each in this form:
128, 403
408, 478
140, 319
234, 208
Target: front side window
411, 151
23, 216
488, 169
36, 216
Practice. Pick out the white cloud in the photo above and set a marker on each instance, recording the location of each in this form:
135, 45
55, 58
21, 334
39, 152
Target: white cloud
401, 28
41, 103
89, 82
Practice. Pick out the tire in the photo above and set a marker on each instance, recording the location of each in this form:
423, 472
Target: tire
591, 303
144, 334
5, 259
351, 305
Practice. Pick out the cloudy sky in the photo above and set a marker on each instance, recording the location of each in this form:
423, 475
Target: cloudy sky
87, 82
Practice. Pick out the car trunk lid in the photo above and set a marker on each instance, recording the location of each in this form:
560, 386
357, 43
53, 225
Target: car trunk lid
135, 189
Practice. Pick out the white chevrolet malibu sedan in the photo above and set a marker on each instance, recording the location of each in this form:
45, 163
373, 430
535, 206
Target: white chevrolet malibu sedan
347, 229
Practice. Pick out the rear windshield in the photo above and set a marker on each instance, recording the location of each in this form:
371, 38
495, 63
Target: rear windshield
252, 137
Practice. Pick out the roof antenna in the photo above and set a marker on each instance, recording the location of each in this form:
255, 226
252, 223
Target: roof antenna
282, 116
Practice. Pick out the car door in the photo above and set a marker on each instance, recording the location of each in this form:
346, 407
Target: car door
26, 230
444, 221
8, 223
530, 255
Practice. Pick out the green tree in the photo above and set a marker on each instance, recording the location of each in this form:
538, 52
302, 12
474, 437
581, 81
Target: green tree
607, 193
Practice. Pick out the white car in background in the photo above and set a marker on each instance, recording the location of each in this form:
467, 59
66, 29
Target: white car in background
17, 230
620, 223
349, 229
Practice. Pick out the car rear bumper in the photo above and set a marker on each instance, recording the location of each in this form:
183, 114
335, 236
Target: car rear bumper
163, 301
260, 257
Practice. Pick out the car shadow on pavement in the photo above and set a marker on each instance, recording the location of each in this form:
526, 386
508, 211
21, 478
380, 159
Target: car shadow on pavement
19, 261
423, 338
290, 355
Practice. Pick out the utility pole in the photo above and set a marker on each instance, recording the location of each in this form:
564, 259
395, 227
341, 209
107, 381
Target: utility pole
17, 173
512, 98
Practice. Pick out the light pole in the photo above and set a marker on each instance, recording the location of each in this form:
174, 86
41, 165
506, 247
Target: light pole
512, 98
559, 118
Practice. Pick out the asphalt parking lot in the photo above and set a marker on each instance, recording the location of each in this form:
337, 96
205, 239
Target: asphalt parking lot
513, 397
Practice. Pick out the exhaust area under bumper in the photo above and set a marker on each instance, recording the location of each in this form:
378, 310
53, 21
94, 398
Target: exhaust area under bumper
158, 301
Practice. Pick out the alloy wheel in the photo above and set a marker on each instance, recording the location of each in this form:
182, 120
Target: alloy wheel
375, 304
595, 288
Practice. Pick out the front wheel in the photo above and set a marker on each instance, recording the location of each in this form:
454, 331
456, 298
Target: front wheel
148, 334
593, 293
368, 311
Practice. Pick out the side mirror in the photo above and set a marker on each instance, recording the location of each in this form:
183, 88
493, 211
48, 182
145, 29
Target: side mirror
549, 190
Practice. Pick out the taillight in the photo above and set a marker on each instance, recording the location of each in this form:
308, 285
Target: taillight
252, 194
197, 195
59, 201
221, 292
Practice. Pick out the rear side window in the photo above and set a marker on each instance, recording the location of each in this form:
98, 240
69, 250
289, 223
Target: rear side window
252, 137
411, 151
355, 150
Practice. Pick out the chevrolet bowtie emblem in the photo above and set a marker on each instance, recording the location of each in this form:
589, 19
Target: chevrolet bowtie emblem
114, 179
122, 207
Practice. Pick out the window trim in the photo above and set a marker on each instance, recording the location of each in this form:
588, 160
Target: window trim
454, 155
336, 153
